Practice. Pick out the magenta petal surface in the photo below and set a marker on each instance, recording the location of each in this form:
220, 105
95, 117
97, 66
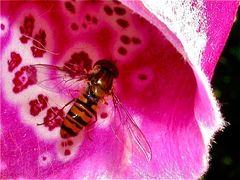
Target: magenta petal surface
165, 52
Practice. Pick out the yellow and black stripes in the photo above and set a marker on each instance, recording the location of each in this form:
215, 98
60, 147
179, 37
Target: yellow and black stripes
100, 83
80, 115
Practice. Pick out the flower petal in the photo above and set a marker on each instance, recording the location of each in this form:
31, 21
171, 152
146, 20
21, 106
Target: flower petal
202, 28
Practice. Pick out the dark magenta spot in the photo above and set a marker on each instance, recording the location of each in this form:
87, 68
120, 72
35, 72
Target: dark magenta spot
44, 158
122, 51
119, 11
136, 40
69, 6
142, 76
88, 17
15, 60
125, 39
27, 28
70, 143
94, 20
79, 62
2, 26
67, 152
23, 78
74, 26
84, 25
37, 105
39, 43
53, 118
104, 115
108, 10
123, 23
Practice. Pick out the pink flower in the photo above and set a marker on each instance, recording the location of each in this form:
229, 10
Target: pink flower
165, 52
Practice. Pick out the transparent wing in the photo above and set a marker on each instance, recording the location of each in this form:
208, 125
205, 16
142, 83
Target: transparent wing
128, 125
59, 79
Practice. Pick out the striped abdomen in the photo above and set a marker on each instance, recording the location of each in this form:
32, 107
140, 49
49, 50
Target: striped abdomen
84, 108
80, 115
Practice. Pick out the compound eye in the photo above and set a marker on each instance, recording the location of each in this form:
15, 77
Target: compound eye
107, 64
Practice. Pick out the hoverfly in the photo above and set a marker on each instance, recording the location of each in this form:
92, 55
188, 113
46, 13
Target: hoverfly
99, 85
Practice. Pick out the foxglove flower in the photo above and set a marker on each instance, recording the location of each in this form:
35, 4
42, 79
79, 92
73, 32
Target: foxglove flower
165, 51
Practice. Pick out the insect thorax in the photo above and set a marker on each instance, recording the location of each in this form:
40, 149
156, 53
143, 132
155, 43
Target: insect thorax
101, 79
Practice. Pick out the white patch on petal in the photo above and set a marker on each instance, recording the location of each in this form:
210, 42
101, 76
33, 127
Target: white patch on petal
127, 153
53, 101
142, 78
4, 26
31, 92
184, 19
67, 149
105, 113
44, 159
24, 50
3, 166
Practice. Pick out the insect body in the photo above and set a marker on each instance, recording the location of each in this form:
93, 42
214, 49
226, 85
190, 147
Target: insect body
100, 83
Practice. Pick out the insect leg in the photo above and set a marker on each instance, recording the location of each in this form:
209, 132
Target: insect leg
56, 114
68, 103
